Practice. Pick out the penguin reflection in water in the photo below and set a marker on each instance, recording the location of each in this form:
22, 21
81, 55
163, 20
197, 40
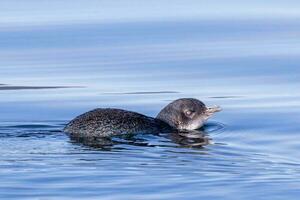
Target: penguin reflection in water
180, 121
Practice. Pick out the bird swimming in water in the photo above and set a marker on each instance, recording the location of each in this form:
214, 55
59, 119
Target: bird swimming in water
180, 115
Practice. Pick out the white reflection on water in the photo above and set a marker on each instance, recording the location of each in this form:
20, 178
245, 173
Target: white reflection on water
34, 12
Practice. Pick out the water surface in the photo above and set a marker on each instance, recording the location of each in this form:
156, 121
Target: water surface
52, 70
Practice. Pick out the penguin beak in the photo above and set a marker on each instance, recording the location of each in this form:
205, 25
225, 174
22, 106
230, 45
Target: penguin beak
213, 109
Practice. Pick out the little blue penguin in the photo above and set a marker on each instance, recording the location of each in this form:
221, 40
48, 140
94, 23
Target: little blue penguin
180, 115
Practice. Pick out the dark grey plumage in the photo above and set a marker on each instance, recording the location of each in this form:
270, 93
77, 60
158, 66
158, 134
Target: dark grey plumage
181, 114
105, 122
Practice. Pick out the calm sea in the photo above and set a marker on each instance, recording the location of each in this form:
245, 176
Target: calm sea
59, 59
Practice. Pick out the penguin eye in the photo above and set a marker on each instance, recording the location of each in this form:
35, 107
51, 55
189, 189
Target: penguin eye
189, 112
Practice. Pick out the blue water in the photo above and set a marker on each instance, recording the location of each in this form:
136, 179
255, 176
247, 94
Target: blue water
57, 62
